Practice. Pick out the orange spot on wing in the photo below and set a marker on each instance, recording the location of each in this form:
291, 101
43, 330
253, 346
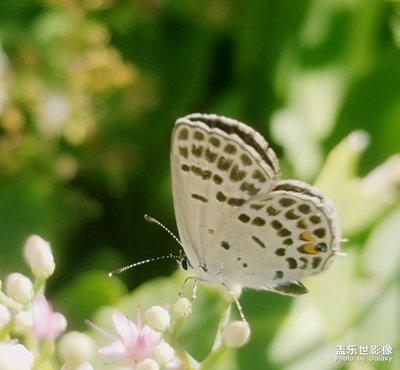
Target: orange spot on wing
306, 236
309, 248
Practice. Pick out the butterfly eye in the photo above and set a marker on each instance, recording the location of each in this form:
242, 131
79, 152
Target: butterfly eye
321, 247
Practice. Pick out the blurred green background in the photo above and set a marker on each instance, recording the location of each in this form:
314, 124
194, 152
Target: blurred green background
90, 90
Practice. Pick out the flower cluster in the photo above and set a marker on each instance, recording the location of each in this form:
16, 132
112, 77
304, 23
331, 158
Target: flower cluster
26, 314
32, 334
140, 347
147, 347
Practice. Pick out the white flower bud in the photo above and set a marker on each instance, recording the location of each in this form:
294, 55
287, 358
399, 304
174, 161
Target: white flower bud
148, 364
38, 255
83, 366
19, 288
75, 348
235, 334
23, 322
157, 318
14, 356
163, 354
183, 307
5, 316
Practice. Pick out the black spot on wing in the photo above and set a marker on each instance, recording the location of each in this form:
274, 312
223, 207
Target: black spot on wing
286, 202
200, 198
259, 242
250, 188
224, 244
292, 263
218, 179
278, 275
221, 197
256, 206
304, 208
183, 151
244, 218
320, 233
224, 163
198, 135
237, 174
288, 241
246, 160
316, 261
183, 134
291, 215
197, 150
210, 156
276, 224
236, 202
272, 211
230, 149
214, 141
284, 232
258, 221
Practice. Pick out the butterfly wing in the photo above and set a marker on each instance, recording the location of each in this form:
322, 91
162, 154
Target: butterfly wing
217, 165
276, 238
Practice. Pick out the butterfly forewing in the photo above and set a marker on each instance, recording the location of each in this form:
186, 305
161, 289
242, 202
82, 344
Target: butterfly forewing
215, 171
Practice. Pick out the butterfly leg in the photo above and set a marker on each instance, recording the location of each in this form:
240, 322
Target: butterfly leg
238, 305
195, 279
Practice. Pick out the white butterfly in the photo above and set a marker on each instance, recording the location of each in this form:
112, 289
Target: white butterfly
238, 222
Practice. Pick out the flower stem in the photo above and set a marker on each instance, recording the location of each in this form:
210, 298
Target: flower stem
213, 357
9, 302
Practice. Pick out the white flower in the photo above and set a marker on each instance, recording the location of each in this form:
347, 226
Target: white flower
14, 356
148, 364
235, 334
19, 287
5, 316
83, 366
77, 350
38, 255
183, 307
164, 354
23, 322
157, 318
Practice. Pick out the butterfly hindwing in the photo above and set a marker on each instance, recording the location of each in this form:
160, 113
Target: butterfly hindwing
276, 238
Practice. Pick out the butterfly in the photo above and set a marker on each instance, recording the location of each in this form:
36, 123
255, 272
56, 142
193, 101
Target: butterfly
238, 221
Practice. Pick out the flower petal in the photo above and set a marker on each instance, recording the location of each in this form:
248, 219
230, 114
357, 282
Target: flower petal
115, 350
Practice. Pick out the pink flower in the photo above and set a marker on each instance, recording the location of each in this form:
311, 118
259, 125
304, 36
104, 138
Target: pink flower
132, 343
46, 322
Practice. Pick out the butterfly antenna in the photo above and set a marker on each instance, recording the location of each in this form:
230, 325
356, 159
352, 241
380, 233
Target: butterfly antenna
170, 256
122, 269
153, 220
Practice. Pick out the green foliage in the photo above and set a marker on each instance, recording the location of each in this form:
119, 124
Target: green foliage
89, 91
